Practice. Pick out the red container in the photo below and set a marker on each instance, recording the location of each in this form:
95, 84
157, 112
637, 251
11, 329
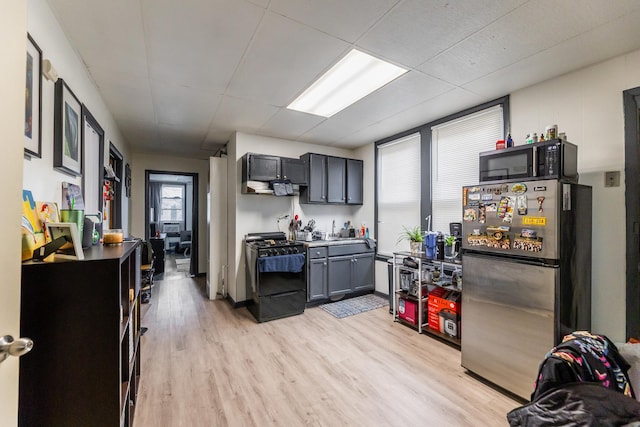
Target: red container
408, 310
500, 144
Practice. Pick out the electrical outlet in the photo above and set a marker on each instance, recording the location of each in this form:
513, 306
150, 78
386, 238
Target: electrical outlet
612, 179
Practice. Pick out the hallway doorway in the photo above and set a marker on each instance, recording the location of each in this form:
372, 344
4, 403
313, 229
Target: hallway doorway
171, 213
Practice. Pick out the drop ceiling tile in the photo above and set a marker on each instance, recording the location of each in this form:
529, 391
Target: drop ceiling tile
125, 95
290, 123
578, 52
180, 105
532, 28
441, 106
106, 34
344, 19
283, 59
417, 30
198, 43
241, 114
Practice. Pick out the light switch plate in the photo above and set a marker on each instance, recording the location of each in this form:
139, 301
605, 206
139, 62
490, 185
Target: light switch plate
612, 179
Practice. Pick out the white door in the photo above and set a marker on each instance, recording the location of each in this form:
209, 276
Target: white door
13, 33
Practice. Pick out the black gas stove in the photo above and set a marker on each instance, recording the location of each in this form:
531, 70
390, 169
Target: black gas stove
272, 244
275, 284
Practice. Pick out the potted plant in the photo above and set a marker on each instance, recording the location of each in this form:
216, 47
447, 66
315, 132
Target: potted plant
448, 247
414, 236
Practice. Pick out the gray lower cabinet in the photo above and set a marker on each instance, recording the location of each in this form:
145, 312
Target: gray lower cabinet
339, 269
362, 272
317, 278
340, 274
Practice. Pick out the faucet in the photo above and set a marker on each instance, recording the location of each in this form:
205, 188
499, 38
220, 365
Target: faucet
333, 228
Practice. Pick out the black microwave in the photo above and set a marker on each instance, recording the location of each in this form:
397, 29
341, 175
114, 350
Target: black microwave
553, 159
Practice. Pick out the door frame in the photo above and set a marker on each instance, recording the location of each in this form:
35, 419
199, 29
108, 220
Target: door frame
631, 103
193, 265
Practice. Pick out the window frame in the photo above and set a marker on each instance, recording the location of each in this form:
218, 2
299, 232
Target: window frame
425, 156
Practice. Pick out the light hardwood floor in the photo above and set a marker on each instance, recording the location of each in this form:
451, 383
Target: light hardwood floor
207, 364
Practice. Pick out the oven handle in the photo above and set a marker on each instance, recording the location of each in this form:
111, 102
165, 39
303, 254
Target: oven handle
286, 294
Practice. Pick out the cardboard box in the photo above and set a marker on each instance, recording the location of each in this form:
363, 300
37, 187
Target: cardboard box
443, 312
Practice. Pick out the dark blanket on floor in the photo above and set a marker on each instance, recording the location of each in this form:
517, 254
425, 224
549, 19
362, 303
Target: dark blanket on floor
578, 404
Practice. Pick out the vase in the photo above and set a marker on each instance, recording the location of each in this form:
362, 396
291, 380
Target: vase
415, 246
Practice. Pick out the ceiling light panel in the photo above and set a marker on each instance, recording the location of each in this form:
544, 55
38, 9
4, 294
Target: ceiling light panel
352, 78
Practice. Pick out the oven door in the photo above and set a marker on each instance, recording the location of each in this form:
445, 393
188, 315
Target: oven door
509, 164
280, 282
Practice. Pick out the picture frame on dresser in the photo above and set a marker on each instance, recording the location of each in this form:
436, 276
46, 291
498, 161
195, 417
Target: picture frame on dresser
33, 100
67, 144
72, 249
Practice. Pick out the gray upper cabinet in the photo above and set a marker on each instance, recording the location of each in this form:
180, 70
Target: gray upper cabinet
316, 190
336, 180
354, 182
260, 167
294, 170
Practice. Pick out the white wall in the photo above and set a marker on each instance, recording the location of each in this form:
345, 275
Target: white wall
39, 175
146, 161
218, 228
587, 106
13, 28
258, 213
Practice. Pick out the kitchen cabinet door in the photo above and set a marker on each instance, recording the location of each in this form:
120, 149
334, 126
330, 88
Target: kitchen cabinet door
316, 191
362, 269
336, 180
317, 280
354, 182
340, 275
294, 170
260, 167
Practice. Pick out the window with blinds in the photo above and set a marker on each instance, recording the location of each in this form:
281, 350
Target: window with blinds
454, 160
398, 191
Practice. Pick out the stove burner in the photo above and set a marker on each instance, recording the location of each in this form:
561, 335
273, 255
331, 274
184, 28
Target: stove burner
272, 244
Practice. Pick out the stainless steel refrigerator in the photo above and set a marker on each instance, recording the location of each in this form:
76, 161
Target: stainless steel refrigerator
527, 276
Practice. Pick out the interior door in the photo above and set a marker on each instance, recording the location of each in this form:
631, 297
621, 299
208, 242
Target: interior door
13, 33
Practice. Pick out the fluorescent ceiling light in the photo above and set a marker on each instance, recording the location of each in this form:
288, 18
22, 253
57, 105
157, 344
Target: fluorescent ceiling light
352, 78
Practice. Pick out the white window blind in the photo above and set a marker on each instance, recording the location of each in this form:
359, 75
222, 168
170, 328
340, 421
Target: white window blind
454, 160
172, 203
398, 191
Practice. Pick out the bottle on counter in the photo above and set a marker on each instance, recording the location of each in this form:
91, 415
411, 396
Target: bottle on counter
509, 141
440, 247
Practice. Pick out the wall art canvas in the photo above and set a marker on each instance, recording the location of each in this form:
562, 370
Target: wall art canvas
33, 100
67, 156
32, 234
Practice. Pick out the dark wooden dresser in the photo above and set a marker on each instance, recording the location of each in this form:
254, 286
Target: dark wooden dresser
84, 320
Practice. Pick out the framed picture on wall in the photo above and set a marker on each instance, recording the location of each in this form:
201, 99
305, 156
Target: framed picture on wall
33, 101
67, 146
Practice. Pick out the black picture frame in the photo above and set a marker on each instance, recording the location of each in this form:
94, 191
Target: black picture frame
33, 100
92, 160
127, 180
67, 132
